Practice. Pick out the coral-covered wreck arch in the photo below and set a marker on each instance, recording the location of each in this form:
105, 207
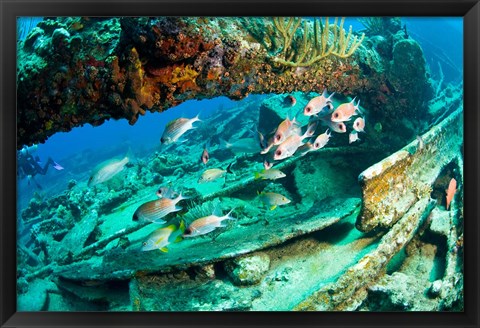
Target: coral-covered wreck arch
73, 71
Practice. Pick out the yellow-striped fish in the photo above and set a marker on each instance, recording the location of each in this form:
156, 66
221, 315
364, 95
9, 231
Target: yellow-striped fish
273, 199
271, 174
176, 128
214, 174
161, 238
155, 210
107, 170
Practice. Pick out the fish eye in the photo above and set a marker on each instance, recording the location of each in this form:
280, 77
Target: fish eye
162, 140
308, 109
278, 152
278, 137
144, 243
135, 217
316, 145
335, 115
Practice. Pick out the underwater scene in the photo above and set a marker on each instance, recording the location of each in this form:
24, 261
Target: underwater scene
240, 164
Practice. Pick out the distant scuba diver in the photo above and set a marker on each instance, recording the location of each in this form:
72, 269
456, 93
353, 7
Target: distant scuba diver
29, 166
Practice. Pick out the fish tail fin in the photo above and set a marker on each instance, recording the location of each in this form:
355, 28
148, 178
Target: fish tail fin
357, 108
224, 144
181, 227
229, 167
197, 118
330, 97
130, 157
180, 197
228, 216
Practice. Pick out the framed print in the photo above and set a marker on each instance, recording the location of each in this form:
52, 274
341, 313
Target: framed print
222, 163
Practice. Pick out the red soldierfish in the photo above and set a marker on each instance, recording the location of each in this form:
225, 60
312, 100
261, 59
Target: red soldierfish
345, 111
291, 100
176, 128
321, 140
353, 136
317, 104
359, 124
305, 148
338, 127
290, 145
452, 188
284, 130
205, 157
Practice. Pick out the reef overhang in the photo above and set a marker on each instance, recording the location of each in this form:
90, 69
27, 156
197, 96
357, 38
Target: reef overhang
74, 71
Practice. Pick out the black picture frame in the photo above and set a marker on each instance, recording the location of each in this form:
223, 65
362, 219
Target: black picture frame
468, 9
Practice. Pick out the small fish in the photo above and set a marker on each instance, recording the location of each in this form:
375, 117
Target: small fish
338, 127
267, 149
322, 140
290, 145
159, 239
205, 157
271, 174
261, 140
214, 174
345, 111
267, 164
305, 149
107, 170
352, 137
285, 129
312, 126
317, 104
421, 143
290, 100
166, 192
273, 199
155, 210
207, 224
359, 124
452, 189
176, 128
241, 146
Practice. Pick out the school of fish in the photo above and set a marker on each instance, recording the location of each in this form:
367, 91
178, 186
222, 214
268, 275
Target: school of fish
284, 142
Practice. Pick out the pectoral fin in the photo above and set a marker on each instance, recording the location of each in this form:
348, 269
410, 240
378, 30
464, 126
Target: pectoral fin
273, 207
164, 249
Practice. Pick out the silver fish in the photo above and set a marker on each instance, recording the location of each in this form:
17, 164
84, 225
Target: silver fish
156, 210
107, 170
241, 146
273, 199
206, 224
176, 128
